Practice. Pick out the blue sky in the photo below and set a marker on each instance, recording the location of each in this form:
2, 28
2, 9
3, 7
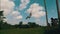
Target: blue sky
43, 19
21, 10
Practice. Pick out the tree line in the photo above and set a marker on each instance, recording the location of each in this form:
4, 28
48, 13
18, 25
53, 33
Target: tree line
4, 25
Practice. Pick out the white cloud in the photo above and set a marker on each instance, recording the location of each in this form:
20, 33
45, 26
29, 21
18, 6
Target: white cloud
41, 22
5, 20
13, 17
7, 6
17, 15
36, 10
23, 4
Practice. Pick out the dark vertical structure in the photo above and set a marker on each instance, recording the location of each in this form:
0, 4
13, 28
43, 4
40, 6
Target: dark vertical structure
57, 4
48, 25
46, 12
1, 14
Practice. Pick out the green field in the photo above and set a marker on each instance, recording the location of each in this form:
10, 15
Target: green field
39, 30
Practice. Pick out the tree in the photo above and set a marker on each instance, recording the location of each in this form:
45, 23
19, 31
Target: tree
20, 24
33, 24
57, 4
54, 22
3, 24
29, 16
1, 20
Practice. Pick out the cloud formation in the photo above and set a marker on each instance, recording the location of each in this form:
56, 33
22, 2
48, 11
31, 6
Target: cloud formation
17, 15
6, 6
36, 10
23, 4
11, 15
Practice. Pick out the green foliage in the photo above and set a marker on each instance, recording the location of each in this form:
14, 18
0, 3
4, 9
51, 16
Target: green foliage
33, 24
21, 23
1, 13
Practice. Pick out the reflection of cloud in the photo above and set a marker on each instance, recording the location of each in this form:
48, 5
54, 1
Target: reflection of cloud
24, 4
36, 10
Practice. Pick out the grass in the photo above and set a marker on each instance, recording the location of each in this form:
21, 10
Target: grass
39, 30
